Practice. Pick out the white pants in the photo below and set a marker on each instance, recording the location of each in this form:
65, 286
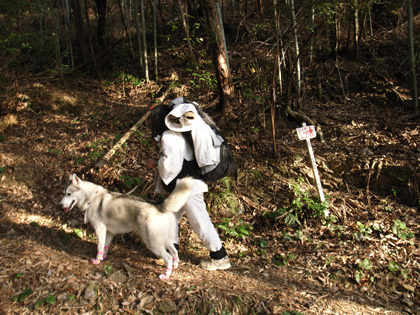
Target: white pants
199, 219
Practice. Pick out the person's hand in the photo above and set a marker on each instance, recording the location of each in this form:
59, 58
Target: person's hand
152, 164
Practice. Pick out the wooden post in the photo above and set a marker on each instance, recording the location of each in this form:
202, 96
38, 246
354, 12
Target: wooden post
307, 133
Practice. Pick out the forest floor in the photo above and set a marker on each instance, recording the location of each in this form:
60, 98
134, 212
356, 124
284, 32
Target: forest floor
365, 261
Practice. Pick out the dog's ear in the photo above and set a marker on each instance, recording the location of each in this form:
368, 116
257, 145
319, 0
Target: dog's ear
75, 180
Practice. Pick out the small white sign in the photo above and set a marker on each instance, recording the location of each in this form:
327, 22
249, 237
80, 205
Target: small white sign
307, 132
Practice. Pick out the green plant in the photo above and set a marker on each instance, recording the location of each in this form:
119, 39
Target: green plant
17, 276
405, 272
78, 233
261, 242
389, 209
226, 198
298, 235
256, 173
401, 230
249, 93
239, 230
365, 230
287, 237
291, 219
21, 297
71, 297
65, 237
362, 267
202, 77
394, 192
97, 149
393, 266
143, 139
50, 299
304, 201
108, 270
214, 312
95, 152
303, 204
330, 224
283, 260
54, 151
39, 303
365, 264
128, 78
329, 260
129, 181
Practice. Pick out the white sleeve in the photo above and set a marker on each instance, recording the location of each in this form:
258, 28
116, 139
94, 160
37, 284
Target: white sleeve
205, 153
172, 148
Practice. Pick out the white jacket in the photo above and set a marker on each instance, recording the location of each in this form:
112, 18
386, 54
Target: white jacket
184, 117
173, 151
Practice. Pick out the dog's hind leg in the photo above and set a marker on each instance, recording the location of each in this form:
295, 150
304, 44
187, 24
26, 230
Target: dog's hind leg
108, 240
174, 253
167, 258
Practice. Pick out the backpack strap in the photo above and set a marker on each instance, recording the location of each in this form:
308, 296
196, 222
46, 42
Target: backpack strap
189, 168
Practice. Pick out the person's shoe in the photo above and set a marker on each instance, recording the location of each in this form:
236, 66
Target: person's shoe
215, 264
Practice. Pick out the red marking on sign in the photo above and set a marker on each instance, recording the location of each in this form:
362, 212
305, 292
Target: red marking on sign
307, 132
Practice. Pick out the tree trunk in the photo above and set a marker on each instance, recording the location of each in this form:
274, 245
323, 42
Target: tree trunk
356, 28
138, 34
260, 8
297, 53
220, 58
121, 6
143, 22
92, 52
155, 40
311, 45
68, 26
81, 35
278, 43
101, 7
186, 30
412, 60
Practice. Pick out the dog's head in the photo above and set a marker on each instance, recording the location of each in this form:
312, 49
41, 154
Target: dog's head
75, 194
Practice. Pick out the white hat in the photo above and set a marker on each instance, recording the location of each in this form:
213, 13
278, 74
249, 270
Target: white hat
183, 117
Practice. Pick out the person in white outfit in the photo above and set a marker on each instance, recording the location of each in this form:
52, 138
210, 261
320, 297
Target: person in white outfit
178, 160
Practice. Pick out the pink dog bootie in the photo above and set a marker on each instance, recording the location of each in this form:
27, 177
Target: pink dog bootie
98, 259
166, 275
100, 256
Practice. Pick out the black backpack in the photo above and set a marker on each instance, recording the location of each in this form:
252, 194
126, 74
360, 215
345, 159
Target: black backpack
227, 165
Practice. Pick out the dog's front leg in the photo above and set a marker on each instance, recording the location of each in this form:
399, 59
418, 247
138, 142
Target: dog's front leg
101, 235
169, 264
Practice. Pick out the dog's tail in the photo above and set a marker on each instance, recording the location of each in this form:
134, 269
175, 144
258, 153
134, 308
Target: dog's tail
179, 196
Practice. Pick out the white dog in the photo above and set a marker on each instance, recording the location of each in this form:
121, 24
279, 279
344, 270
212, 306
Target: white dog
113, 213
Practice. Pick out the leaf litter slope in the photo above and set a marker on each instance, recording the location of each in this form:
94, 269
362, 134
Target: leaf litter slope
313, 274
369, 168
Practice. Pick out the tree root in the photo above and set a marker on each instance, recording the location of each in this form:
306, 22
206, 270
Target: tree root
300, 116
